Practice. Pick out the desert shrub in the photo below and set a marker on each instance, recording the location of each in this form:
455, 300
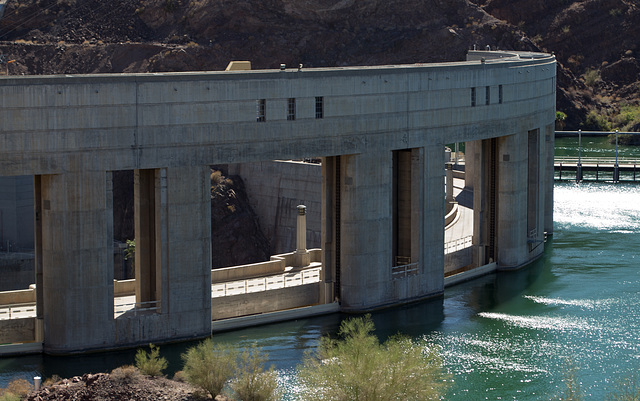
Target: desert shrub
16, 390
7, 396
50, 381
596, 122
209, 366
125, 375
591, 77
180, 377
253, 382
150, 363
357, 367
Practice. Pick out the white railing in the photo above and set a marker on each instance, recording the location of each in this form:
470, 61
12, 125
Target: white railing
17, 311
248, 286
458, 244
404, 271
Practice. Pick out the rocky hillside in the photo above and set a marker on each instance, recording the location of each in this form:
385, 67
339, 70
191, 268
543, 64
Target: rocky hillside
596, 41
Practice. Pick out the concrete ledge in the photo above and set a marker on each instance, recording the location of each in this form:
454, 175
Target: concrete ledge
18, 297
265, 301
452, 216
273, 317
124, 287
17, 330
20, 349
470, 274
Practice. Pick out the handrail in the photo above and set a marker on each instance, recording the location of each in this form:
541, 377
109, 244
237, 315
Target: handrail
403, 271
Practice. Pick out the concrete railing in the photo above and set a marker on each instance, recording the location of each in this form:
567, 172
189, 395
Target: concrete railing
124, 287
276, 265
18, 296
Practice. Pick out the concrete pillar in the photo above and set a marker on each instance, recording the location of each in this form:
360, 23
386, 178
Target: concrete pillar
366, 256
549, 154
327, 222
366, 210
37, 196
477, 167
511, 210
449, 183
77, 261
432, 221
302, 256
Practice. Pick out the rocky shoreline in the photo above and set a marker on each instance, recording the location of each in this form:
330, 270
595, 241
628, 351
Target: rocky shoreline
125, 383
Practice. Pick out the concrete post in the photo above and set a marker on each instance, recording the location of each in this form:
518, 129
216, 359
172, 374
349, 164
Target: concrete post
302, 256
449, 183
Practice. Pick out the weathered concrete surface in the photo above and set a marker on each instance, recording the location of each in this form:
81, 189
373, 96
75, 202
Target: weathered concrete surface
380, 128
265, 301
275, 189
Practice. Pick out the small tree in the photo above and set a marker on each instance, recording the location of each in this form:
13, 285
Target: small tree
209, 366
252, 382
130, 252
359, 368
151, 363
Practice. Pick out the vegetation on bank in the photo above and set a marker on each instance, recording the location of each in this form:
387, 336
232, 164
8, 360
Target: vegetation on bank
353, 367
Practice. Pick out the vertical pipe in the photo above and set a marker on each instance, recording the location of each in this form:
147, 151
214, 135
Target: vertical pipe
579, 166
616, 171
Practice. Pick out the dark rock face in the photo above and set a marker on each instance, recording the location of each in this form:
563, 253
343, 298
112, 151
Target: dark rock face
236, 237
623, 72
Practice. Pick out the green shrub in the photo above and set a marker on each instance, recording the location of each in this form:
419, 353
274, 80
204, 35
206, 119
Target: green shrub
151, 363
359, 368
252, 382
209, 366
596, 122
591, 77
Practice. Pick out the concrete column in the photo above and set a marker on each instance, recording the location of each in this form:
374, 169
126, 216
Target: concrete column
37, 197
432, 221
449, 183
327, 231
302, 256
366, 230
77, 261
511, 217
477, 166
181, 243
548, 159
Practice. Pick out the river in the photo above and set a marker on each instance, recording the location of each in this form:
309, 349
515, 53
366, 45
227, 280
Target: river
505, 336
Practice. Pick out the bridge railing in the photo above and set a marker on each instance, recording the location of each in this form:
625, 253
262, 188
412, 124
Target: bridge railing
596, 160
14, 311
458, 244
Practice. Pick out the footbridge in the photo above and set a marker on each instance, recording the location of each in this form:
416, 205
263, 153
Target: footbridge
380, 133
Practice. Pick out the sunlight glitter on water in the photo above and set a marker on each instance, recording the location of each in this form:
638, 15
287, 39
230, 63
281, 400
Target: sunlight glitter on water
611, 207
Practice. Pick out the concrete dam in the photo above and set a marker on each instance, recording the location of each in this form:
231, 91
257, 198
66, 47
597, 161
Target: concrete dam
379, 131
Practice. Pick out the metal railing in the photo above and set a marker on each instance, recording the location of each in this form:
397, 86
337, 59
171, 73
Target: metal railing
248, 286
597, 160
458, 244
17, 311
404, 271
